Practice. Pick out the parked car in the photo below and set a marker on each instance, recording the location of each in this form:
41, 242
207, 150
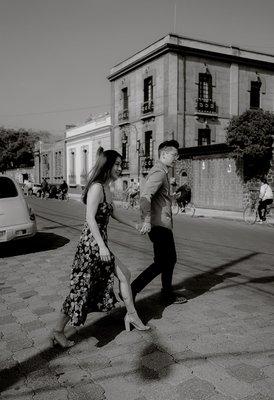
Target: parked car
17, 219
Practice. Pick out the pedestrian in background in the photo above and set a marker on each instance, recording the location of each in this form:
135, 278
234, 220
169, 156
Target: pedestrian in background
44, 188
64, 189
265, 198
28, 187
156, 214
94, 266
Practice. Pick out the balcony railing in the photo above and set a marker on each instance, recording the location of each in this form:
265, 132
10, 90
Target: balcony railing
147, 164
206, 106
125, 164
83, 178
123, 116
147, 107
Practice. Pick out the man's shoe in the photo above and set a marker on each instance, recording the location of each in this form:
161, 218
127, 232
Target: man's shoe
173, 297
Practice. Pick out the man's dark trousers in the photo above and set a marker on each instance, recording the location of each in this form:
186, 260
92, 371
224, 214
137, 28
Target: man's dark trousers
262, 208
164, 260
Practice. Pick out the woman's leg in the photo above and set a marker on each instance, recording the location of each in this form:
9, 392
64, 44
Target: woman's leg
61, 323
123, 274
57, 334
131, 317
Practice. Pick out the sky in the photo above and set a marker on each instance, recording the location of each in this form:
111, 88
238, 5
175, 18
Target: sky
55, 55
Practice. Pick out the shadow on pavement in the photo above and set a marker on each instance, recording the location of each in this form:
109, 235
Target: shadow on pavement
40, 242
263, 279
202, 283
108, 327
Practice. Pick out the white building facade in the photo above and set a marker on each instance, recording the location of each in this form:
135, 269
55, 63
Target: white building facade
82, 143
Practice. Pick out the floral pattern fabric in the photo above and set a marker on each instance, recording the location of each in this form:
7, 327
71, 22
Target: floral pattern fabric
91, 282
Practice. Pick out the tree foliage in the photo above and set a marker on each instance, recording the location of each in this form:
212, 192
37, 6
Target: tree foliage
250, 136
16, 147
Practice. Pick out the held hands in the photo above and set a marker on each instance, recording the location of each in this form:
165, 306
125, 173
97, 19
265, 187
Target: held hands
146, 227
104, 254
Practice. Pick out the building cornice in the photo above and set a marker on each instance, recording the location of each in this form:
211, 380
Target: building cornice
192, 47
99, 131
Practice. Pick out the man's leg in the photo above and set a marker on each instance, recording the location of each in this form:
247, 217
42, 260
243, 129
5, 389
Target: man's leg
266, 203
167, 257
164, 261
260, 208
152, 271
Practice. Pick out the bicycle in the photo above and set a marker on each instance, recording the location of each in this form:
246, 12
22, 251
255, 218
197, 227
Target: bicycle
188, 209
251, 214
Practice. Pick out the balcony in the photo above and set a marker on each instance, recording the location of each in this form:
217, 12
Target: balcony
125, 164
147, 164
83, 178
72, 179
206, 107
147, 107
123, 116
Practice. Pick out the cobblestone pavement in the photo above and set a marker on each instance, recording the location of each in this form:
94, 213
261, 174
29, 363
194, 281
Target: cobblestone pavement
218, 346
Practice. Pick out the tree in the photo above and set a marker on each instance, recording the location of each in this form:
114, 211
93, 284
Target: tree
250, 137
16, 147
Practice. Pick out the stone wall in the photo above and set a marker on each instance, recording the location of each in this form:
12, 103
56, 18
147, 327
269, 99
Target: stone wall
215, 182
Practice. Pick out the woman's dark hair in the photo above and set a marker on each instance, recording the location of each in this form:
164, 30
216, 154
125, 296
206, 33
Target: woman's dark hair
100, 173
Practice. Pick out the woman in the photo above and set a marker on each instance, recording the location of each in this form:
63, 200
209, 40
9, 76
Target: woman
93, 269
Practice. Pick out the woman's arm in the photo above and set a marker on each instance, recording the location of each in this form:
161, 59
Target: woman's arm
124, 220
94, 197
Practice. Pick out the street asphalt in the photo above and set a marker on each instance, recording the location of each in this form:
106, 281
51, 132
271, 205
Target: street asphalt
217, 346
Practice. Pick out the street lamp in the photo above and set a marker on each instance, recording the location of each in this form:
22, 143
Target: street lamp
139, 150
38, 154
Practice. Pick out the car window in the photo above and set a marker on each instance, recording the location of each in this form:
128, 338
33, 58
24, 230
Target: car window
7, 188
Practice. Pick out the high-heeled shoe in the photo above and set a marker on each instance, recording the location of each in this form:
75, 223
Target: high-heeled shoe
58, 337
133, 319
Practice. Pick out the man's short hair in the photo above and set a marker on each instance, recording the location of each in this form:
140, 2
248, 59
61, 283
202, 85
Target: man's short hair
263, 179
166, 144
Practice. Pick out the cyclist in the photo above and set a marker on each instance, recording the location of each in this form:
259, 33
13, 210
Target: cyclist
183, 196
132, 191
265, 199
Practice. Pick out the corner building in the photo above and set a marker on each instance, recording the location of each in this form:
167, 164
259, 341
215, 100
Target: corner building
188, 90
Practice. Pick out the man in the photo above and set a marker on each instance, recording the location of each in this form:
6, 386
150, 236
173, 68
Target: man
28, 187
265, 197
156, 215
183, 195
64, 189
44, 188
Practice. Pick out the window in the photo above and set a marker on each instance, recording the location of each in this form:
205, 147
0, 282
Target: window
124, 139
124, 151
7, 188
85, 161
205, 86
148, 144
255, 94
148, 89
203, 137
125, 98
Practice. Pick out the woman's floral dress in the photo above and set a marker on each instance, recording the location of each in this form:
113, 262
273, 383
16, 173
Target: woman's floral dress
91, 285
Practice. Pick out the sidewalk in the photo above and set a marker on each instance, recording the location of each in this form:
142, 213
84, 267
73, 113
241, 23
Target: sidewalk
223, 214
